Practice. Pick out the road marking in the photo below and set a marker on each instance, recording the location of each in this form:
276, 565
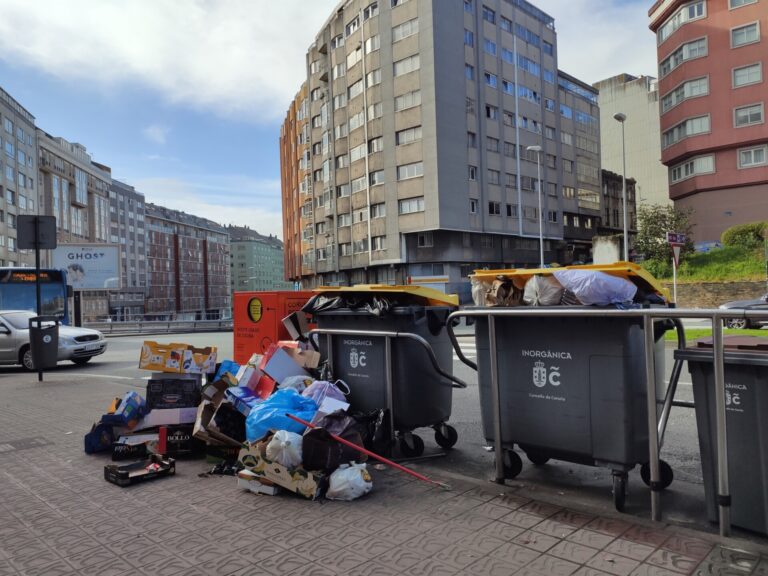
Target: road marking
101, 376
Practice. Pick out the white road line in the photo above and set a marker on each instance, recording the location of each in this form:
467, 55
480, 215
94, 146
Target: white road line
100, 376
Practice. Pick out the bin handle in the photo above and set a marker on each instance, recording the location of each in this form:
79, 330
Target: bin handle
455, 343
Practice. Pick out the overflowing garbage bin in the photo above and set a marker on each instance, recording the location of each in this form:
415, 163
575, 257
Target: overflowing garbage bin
571, 387
746, 405
421, 396
44, 341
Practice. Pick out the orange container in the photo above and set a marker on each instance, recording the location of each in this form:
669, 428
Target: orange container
259, 320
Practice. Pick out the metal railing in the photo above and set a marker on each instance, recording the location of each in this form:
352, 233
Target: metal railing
160, 326
716, 316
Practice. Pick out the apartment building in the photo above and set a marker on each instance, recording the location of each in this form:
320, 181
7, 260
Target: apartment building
712, 62
127, 229
256, 261
405, 153
637, 97
612, 205
18, 178
187, 266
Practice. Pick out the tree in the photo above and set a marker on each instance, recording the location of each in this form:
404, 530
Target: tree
653, 223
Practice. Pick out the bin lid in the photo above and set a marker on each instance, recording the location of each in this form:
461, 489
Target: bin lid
740, 343
627, 270
431, 296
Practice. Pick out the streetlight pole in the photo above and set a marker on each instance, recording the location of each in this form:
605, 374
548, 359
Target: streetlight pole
620, 118
537, 149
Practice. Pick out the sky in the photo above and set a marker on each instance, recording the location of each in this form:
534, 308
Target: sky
184, 99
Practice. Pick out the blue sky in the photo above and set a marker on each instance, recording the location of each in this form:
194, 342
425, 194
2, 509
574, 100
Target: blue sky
184, 98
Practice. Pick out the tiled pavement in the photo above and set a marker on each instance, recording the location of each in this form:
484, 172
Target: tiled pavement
58, 516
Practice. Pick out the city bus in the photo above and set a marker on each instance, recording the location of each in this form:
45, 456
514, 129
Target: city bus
17, 291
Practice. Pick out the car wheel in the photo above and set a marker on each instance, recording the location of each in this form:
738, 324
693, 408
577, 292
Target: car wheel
738, 323
81, 361
26, 358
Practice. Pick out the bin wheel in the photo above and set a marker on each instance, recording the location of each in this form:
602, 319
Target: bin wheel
26, 359
446, 436
513, 464
665, 472
619, 490
411, 446
537, 458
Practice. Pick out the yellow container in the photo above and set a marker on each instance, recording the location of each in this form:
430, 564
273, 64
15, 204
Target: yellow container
431, 296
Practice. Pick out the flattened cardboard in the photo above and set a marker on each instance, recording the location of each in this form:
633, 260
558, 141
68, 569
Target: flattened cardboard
205, 428
310, 485
167, 417
281, 365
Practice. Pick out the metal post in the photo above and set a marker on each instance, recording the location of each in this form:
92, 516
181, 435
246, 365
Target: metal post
329, 344
496, 395
723, 489
541, 215
390, 397
653, 434
39, 305
624, 192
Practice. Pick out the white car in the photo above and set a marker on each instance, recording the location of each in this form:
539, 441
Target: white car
76, 344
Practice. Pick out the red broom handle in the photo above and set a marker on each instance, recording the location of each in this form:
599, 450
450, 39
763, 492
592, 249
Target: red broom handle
371, 454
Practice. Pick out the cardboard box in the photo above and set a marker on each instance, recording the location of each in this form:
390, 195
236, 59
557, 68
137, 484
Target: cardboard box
216, 452
133, 447
166, 390
167, 417
297, 325
310, 485
206, 427
177, 441
249, 374
281, 365
249, 481
178, 358
243, 399
128, 412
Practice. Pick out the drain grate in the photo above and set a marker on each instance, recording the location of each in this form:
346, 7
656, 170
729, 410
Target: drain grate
23, 444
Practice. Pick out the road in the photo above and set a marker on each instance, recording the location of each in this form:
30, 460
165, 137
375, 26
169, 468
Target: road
682, 502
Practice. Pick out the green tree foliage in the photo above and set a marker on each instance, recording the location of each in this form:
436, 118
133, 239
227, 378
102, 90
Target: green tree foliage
749, 236
653, 223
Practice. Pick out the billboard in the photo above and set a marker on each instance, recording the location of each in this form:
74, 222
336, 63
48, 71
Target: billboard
89, 266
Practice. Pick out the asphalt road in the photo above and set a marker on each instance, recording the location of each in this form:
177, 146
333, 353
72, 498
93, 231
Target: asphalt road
556, 481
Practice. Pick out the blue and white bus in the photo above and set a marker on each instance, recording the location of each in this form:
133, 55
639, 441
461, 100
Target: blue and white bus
17, 291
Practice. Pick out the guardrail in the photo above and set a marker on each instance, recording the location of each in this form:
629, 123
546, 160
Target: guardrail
161, 326
716, 316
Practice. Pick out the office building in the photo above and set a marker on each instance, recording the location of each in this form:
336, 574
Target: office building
256, 261
404, 155
712, 64
187, 266
18, 189
638, 99
612, 205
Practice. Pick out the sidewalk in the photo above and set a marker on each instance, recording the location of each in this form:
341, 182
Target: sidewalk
59, 516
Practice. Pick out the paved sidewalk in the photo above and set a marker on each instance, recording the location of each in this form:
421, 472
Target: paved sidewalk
59, 516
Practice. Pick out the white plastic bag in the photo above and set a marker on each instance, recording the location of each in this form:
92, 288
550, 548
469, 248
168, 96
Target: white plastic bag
348, 482
542, 291
285, 448
595, 287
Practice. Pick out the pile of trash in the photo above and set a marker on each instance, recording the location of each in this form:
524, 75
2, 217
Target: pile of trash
273, 422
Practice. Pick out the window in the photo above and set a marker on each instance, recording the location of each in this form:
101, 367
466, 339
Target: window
379, 242
371, 10
424, 240
512, 210
352, 26
316, 121
354, 57
494, 208
511, 180
345, 248
408, 100
491, 80
339, 71
549, 132
320, 228
360, 246
747, 75
408, 136
375, 111
569, 192
11, 246
337, 41
492, 144
373, 78
688, 13
469, 37
552, 216
357, 153
360, 215
10, 197
378, 210
345, 220
745, 35
342, 161
376, 177
738, 3
339, 101
471, 140
375, 145
748, 115
320, 254
407, 65
690, 168
505, 24
750, 157
489, 46
472, 206
549, 104
405, 29
489, 15
566, 138
354, 90
688, 51
342, 191
467, 5
473, 173
568, 165
491, 112
11, 220
9, 149
469, 71
548, 48
411, 205
686, 90
566, 111
372, 44
407, 171
340, 131
359, 184
530, 213
8, 125
509, 119
398, 2
494, 177
687, 128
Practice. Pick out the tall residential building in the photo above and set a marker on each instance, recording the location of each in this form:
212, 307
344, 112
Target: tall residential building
612, 221
712, 62
18, 190
638, 99
404, 154
127, 229
256, 261
187, 266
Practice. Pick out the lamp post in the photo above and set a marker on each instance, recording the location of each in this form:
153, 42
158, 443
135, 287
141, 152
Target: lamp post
537, 149
620, 118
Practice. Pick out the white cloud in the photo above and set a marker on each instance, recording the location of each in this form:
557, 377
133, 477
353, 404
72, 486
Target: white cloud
156, 133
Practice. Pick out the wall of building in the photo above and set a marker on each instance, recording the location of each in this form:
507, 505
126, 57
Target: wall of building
713, 294
127, 229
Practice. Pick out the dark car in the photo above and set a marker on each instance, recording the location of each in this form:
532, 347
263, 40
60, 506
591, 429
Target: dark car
757, 304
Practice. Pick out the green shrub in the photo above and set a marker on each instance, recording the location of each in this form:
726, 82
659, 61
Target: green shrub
748, 236
658, 268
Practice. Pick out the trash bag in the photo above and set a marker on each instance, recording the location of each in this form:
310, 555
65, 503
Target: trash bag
503, 292
479, 290
542, 291
374, 429
322, 389
270, 414
593, 287
320, 303
349, 482
285, 448
320, 451
298, 383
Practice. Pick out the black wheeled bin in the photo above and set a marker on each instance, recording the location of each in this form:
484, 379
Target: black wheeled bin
44, 341
746, 405
421, 396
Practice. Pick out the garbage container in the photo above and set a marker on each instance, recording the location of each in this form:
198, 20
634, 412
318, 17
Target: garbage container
44, 341
746, 400
421, 396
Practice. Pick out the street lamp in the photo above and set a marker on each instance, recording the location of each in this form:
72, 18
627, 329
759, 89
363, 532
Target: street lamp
620, 118
537, 149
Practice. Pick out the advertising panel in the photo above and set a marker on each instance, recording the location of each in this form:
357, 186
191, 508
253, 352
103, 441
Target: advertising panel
89, 266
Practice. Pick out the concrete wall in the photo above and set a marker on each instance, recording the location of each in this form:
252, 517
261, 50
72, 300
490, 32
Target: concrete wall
712, 294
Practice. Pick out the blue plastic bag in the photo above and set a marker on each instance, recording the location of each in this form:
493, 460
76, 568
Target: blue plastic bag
270, 414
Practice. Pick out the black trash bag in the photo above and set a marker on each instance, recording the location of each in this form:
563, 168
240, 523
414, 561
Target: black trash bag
230, 422
319, 451
379, 305
374, 428
320, 303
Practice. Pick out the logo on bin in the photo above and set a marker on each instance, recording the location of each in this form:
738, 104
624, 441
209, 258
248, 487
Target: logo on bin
542, 376
47, 338
357, 358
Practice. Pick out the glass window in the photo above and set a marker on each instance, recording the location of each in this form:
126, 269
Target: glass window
489, 15
689, 89
691, 168
408, 100
408, 135
748, 115
405, 30
688, 13
494, 208
490, 47
407, 65
745, 35
747, 75
753, 157
411, 205
469, 71
491, 80
407, 171
739, 3
469, 37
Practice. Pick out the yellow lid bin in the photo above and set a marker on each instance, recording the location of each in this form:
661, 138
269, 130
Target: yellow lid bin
431, 296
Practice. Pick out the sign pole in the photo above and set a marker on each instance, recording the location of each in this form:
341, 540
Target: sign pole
37, 287
674, 280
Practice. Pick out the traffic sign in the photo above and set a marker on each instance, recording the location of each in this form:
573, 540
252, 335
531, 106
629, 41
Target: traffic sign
676, 239
676, 254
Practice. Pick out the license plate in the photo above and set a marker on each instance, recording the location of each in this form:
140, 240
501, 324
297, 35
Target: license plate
92, 346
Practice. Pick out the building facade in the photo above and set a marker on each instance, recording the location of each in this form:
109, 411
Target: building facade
409, 144
712, 64
612, 220
127, 229
187, 266
638, 99
256, 261
18, 182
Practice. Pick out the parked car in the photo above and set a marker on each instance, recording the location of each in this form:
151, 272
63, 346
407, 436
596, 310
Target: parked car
757, 304
76, 344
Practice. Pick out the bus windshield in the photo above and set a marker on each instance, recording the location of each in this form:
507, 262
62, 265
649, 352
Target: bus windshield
17, 291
